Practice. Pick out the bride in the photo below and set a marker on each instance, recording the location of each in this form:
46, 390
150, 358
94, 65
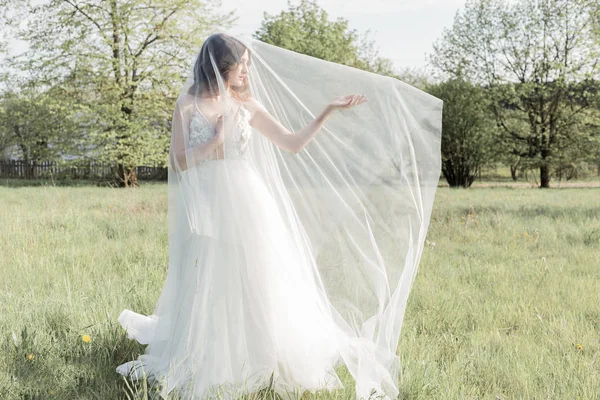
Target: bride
245, 304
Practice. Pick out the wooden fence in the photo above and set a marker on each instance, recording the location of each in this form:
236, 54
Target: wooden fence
81, 170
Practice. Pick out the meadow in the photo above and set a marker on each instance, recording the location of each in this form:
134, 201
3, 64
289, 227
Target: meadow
506, 303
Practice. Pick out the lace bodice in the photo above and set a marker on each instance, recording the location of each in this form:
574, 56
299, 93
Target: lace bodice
201, 131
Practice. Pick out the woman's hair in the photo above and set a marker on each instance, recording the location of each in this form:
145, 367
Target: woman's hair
227, 52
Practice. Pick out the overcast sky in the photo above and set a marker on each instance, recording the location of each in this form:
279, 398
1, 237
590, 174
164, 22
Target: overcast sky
403, 30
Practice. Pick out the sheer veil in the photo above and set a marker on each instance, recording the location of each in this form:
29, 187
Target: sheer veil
357, 199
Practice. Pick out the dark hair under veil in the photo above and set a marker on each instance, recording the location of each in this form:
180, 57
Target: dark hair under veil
228, 52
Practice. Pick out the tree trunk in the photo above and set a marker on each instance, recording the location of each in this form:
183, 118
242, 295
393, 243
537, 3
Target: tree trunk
126, 176
545, 169
545, 176
513, 172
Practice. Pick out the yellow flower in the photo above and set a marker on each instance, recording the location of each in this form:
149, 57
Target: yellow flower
579, 346
30, 356
86, 338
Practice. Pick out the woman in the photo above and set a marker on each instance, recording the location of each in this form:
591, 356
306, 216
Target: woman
247, 303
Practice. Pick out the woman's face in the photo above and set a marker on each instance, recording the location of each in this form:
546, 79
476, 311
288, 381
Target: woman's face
239, 75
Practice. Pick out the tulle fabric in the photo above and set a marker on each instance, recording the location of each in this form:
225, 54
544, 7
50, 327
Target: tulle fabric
286, 264
243, 308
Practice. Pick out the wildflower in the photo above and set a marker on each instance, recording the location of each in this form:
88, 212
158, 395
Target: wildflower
579, 346
30, 356
543, 259
86, 338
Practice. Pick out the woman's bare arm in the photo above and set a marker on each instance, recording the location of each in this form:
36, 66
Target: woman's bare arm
294, 142
195, 153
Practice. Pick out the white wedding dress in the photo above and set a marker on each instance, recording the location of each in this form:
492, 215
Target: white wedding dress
240, 307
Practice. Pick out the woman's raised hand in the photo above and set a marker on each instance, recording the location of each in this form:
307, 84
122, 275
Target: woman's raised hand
348, 101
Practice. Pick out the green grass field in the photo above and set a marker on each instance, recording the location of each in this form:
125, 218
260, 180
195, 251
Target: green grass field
506, 304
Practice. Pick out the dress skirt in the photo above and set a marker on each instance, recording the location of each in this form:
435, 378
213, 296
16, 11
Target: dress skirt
240, 309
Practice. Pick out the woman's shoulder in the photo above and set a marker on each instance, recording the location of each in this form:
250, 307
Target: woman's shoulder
252, 105
185, 103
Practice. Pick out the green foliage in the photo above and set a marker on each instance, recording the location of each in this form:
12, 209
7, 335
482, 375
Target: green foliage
539, 64
123, 62
467, 130
306, 29
38, 125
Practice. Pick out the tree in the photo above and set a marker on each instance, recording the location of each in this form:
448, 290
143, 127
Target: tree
592, 122
417, 77
467, 130
306, 29
123, 60
537, 60
36, 125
